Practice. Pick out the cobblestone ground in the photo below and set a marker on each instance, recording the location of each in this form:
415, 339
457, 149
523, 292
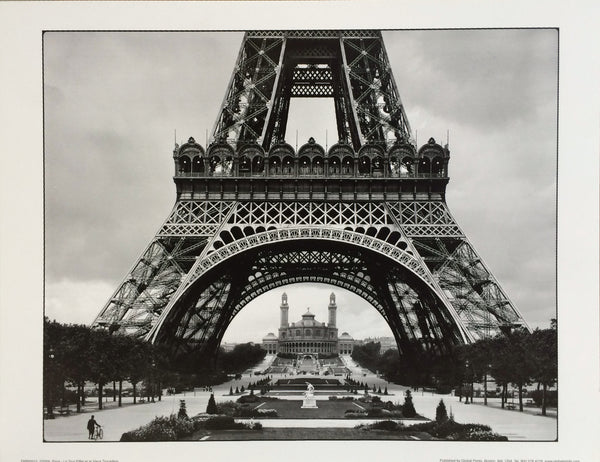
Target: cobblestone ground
115, 421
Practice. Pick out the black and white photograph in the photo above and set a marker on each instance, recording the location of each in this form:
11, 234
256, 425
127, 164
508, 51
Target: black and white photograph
308, 233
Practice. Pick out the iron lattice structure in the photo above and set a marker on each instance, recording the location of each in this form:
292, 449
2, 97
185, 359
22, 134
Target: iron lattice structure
253, 214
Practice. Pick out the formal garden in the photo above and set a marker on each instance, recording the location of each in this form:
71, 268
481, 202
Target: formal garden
219, 421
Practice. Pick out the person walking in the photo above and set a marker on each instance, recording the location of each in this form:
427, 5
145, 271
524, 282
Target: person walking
91, 426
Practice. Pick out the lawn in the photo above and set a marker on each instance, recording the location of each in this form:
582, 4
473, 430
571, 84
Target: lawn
327, 409
292, 409
305, 434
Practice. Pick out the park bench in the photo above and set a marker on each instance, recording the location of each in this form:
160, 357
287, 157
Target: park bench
64, 410
510, 406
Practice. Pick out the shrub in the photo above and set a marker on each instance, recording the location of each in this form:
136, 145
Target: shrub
230, 391
388, 425
248, 399
162, 429
551, 397
408, 409
246, 412
441, 415
228, 408
355, 415
455, 431
182, 414
211, 408
222, 422
477, 435
375, 412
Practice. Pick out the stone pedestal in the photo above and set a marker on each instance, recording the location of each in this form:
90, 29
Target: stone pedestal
309, 402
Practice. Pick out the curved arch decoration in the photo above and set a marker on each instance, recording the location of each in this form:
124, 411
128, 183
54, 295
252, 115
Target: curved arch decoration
245, 243
414, 312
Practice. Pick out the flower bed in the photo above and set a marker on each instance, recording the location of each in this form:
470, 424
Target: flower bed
173, 428
448, 430
163, 429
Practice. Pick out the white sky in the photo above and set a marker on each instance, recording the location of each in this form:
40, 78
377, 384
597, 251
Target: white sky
113, 100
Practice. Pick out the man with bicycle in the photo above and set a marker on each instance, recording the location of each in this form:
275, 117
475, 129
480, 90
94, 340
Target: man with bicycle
91, 426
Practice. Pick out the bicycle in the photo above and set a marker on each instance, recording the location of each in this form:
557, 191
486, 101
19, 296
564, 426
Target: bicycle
98, 433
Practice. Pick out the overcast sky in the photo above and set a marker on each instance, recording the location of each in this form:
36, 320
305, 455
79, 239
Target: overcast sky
113, 101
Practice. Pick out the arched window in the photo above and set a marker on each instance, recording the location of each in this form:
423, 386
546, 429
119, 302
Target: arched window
334, 166
274, 166
198, 165
317, 165
364, 165
377, 166
258, 165
406, 168
287, 167
304, 166
185, 165
424, 167
437, 166
244, 166
394, 167
347, 166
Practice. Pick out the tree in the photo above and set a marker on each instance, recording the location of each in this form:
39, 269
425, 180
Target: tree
182, 414
441, 415
522, 366
543, 348
137, 363
408, 408
230, 391
102, 355
211, 408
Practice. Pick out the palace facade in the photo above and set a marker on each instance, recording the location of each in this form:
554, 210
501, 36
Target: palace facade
308, 335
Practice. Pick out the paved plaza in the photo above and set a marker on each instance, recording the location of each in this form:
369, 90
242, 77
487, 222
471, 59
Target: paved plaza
517, 426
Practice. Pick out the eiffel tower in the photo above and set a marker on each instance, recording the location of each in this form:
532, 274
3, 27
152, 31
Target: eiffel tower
253, 214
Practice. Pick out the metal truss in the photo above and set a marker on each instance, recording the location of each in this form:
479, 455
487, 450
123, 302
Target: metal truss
418, 218
379, 109
138, 301
418, 317
425, 219
349, 66
477, 297
195, 218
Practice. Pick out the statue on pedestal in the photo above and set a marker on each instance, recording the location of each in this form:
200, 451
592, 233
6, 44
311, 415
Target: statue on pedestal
309, 397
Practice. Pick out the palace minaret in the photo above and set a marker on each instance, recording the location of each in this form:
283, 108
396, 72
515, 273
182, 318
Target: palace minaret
284, 307
332, 310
